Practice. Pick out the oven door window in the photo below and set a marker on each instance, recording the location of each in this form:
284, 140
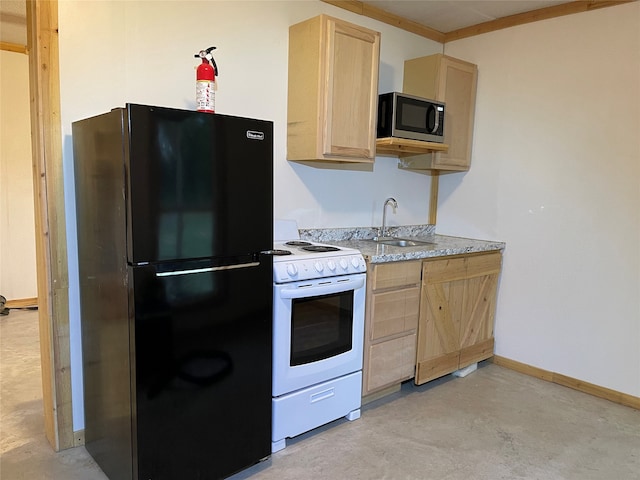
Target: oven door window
321, 327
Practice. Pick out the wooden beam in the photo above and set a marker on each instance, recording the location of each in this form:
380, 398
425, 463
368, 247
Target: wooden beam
383, 16
13, 47
51, 252
433, 199
529, 17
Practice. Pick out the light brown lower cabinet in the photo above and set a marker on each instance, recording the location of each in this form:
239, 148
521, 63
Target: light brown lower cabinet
457, 308
392, 310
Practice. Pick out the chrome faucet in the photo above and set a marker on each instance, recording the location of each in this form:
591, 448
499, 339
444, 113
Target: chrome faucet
383, 231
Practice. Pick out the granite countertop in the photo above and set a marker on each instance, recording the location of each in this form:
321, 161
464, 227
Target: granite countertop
439, 246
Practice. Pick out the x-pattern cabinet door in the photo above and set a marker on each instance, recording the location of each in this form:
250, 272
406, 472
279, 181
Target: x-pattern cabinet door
438, 351
476, 332
455, 328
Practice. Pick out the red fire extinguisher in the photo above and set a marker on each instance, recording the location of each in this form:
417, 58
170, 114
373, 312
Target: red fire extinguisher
206, 81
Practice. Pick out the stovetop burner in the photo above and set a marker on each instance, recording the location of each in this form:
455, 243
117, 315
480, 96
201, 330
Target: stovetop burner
320, 248
308, 260
305, 260
307, 250
298, 243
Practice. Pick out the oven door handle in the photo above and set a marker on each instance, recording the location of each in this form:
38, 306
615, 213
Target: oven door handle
317, 290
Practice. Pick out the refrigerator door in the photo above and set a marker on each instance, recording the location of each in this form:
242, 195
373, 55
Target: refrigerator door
202, 372
199, 185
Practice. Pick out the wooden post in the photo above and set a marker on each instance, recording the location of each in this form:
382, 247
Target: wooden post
51, 251
433, 199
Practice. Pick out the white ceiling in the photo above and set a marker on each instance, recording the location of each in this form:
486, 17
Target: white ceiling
447, 16
442, 15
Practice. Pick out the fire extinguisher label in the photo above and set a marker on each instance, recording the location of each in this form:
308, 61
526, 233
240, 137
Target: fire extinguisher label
205, 96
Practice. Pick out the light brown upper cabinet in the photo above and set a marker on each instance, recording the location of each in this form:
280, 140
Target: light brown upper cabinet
333, 91
452, 81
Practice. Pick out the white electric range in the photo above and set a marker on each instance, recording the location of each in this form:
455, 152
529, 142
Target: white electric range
318, 329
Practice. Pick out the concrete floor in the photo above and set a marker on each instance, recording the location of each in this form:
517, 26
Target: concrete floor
493, 424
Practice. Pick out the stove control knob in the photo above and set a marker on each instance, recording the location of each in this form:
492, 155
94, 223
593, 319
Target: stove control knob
319, 266
332, 265
344, 264
292, 270
355, 262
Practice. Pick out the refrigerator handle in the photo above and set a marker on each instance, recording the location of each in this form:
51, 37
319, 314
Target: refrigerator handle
207, 269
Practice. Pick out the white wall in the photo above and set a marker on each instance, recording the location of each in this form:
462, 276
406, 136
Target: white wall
142, 52
17, 227
556, 174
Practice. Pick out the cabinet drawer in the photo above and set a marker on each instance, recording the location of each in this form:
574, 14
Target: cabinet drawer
459, 268
391, 362
322, 403
396, 274
394, 312
444, 270
486, 264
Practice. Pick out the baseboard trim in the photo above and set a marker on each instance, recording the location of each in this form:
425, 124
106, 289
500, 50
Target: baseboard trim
585, 387
22, 303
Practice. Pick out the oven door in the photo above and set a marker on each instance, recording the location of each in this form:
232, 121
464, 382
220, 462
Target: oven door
318, 330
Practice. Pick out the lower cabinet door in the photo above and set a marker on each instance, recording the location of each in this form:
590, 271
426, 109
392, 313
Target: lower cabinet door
391, 362
442, 306
458, 301
394, 312
476, 326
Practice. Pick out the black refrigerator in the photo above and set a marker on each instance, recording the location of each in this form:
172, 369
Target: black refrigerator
175, 220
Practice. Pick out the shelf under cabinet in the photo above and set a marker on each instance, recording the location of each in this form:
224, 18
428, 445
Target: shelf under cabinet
403, 147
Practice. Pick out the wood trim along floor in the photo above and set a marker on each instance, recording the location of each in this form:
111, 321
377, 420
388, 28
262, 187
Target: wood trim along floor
22, 303
585, 387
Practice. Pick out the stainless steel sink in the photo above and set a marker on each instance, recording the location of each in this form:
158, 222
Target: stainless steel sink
400, 242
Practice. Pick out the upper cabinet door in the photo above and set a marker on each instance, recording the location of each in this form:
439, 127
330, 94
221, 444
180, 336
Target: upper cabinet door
452, 81
352, 90
457, 89
333, 91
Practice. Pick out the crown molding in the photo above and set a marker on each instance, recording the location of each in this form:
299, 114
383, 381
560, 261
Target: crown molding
578, 6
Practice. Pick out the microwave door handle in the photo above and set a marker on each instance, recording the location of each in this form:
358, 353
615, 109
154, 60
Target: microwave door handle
432, 108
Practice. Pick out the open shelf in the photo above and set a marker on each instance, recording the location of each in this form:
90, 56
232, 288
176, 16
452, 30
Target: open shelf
403, 147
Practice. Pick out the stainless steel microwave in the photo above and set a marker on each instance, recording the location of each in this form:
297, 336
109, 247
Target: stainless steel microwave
407, 116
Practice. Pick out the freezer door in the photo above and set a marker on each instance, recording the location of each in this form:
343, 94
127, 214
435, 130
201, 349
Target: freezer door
202, 369
199, 185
